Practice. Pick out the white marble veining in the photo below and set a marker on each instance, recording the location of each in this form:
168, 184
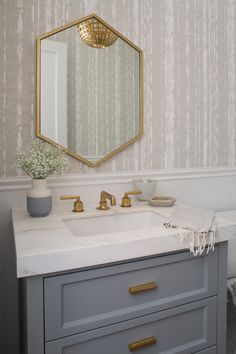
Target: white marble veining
46, 245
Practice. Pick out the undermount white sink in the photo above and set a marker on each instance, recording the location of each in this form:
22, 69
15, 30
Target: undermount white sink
96, 225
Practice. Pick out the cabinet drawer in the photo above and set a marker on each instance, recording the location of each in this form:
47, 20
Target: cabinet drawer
185, 329
90, 299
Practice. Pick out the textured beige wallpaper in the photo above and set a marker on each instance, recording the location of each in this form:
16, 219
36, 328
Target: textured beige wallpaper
189, 77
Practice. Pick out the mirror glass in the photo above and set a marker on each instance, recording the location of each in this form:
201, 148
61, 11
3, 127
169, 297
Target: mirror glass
90, 90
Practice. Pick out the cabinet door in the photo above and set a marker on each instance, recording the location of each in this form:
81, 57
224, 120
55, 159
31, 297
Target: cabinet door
86, 300
182, 330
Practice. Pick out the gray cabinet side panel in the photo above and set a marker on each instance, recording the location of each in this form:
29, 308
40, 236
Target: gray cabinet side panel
222, 296
211, 350
34, 315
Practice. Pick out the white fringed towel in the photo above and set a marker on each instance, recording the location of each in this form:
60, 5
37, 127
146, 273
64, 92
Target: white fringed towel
195, 227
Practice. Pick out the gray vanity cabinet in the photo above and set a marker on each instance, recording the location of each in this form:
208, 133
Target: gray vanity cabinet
171, 304
185, 329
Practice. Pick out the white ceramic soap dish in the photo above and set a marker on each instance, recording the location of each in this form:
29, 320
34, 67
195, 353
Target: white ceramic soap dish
162, 201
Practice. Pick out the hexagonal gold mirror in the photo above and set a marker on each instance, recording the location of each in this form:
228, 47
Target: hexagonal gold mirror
89, 90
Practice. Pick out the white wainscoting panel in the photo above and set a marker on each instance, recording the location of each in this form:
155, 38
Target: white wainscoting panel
209, 188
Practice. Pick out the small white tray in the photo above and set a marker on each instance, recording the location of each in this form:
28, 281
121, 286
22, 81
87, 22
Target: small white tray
162, 201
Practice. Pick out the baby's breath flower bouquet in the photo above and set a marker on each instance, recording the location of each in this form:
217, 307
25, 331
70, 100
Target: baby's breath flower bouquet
42, 160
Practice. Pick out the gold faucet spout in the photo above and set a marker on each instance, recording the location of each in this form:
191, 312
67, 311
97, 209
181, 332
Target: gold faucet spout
104, 196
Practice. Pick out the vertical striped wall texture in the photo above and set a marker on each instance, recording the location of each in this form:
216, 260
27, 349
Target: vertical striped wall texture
107, 111
189, 78
102, 113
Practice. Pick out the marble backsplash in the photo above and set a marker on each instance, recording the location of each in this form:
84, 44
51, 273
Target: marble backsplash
189, 78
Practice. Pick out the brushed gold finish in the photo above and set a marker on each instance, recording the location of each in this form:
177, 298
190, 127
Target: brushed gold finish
103, 201
142, 343
38, 86
136, 289
126, 200
95, 34
78, 204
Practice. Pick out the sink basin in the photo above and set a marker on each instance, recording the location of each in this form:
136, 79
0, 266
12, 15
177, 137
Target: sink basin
104, 224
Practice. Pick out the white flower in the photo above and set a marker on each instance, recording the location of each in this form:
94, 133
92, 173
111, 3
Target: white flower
42, 160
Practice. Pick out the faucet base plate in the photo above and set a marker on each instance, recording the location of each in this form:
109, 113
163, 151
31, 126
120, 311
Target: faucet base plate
103, 208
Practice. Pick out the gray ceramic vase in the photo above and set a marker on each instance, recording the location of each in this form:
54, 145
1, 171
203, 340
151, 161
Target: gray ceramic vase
39, 198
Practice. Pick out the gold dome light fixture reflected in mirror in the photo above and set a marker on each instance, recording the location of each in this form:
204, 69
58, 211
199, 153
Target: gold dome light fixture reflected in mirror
95, 34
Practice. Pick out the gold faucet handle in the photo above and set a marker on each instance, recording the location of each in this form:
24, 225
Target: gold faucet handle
67, 197
126, 200
135, 192
78, 204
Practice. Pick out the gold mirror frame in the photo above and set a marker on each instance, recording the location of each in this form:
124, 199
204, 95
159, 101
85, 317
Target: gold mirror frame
38, 103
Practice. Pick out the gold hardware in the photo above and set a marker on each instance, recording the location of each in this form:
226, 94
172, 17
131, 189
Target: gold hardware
39, 133
142, 287
103, 201
95, 34
78, 204
126, 200
142, 343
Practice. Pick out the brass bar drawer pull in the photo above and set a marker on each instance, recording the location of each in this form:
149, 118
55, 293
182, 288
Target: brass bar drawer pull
142, 343
142, 287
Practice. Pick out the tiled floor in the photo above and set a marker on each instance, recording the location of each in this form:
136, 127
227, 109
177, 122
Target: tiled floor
231, 329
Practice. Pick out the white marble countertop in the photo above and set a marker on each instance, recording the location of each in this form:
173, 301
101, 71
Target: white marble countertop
46, 245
